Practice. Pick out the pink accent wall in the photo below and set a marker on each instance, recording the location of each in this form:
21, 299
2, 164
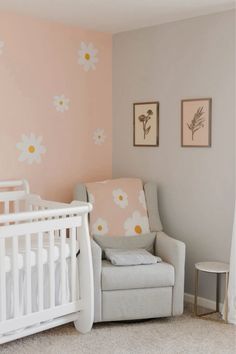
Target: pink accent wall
38, 61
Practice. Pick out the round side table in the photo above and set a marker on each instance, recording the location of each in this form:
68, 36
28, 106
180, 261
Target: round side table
218, 268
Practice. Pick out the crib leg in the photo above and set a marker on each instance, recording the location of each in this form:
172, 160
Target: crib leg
84, 322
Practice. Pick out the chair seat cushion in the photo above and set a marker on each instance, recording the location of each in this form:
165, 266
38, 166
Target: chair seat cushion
136, 277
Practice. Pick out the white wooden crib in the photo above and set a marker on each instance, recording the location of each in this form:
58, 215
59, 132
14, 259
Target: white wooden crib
46, 276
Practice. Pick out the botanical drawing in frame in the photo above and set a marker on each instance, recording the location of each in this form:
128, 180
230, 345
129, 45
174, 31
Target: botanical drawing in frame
146, 124
196, 122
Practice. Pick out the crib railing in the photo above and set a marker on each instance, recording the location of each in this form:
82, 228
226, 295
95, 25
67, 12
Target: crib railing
44, 241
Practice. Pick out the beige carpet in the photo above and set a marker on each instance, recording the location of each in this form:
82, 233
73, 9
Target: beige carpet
183, 334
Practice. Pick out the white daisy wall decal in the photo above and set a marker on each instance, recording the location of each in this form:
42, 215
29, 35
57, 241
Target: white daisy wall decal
30, 148
136, 224
99, 136
100, 227
88, 56
120, 198
61, 103
2, 44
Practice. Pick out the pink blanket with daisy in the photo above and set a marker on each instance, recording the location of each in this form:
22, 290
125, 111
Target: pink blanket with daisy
119, 207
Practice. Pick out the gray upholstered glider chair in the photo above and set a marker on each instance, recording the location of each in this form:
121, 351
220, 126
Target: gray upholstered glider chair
144, 291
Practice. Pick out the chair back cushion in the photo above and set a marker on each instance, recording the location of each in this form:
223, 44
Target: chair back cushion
146, 242
119, 207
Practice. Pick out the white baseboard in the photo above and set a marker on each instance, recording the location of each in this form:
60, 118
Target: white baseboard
202, 301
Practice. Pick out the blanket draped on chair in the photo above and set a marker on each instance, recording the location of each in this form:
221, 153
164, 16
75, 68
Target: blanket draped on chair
119, 207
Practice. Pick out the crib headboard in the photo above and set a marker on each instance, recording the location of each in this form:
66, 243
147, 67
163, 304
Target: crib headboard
21, 185
11, 193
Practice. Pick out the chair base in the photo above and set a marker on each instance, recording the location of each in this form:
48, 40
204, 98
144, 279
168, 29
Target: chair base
135, 304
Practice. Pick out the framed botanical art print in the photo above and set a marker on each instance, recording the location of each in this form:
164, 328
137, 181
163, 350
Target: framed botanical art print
146, 124
196, 122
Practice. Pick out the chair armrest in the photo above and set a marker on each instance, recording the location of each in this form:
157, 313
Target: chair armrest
173, 251
97, 269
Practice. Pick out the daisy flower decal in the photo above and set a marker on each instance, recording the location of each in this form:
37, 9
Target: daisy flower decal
87, 56
136, 224
120, 198
2, 44
100, 227
61, 103
30, 148
99, 136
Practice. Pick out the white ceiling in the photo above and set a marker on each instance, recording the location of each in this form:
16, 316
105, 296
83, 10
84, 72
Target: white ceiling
116, 15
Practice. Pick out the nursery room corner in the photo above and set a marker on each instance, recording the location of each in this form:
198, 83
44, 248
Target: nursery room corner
117, 176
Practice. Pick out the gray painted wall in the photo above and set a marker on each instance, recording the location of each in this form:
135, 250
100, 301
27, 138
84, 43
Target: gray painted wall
186, 59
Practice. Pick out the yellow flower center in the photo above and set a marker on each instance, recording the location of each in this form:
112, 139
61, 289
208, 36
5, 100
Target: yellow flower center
138, 229
31, 149
120, 197
61, 103
99, 227
87, 56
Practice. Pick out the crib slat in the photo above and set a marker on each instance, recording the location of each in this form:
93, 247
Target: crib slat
63, 265
6, 207
16, 204
57, 232
16, 207
28, 273
51, 269
15, 270
40, 270
73, 262
2, 280
36, 208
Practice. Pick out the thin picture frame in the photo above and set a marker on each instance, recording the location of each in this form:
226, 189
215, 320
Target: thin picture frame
144, 108
203, 122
